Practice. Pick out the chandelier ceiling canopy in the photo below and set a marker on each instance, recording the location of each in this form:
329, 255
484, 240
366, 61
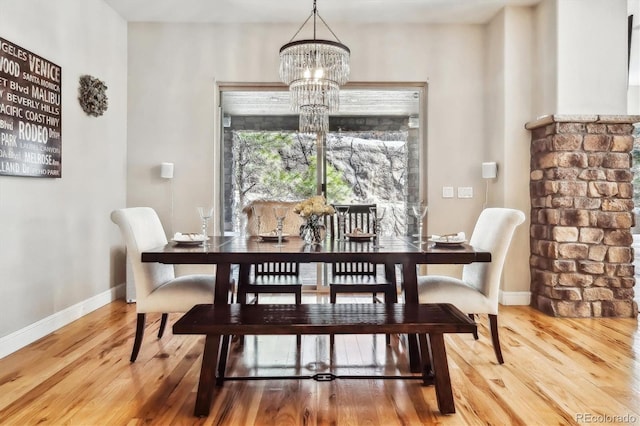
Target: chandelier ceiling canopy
314, 70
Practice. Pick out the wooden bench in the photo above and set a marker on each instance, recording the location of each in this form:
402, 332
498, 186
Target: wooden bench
429, 322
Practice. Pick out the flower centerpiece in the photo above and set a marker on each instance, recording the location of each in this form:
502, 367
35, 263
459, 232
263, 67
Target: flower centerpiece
312, 210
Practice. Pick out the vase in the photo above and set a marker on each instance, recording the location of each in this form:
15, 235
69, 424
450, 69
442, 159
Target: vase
313, 231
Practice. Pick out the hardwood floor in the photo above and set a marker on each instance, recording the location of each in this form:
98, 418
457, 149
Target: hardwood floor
556, 371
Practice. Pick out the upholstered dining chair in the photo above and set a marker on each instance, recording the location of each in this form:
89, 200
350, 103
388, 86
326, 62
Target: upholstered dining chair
158, 290
477, 291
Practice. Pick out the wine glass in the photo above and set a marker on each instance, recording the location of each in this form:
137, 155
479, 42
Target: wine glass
205, 214
257, 215
280, 212
420, 212
342, 216
378, 215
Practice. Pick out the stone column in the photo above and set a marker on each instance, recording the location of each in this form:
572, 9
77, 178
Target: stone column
581, 216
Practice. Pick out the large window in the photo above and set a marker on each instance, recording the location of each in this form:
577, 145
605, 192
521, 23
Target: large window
371, 153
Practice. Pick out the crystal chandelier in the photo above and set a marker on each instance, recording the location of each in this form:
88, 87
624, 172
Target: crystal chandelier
314, 70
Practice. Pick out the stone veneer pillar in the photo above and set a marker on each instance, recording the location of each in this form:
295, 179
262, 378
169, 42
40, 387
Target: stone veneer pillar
581, 216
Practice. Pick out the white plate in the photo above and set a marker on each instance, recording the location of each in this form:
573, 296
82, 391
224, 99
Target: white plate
272, 237
188, 239
188, 242
360, 237
443, 242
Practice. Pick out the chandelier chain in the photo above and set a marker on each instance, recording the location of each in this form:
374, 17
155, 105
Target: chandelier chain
328, 27
302, 26
314, 13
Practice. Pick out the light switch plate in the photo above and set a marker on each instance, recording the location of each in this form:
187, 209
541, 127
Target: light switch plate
465, 192
447, 192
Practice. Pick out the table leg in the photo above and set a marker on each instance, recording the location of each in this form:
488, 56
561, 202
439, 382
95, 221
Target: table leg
444, 394
390, 275
207, 375
223, 284
410, 282
243, 281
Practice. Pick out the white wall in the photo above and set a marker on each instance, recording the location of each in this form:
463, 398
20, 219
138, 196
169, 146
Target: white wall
495, 106
580, 57
592, 57
545, 59
57, 238
519, 24
172, 70
508, 76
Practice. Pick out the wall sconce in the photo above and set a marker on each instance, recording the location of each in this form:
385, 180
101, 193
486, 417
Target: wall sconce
166, 170
489, 171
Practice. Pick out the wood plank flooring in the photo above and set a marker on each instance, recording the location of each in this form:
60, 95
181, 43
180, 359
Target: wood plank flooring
556, 371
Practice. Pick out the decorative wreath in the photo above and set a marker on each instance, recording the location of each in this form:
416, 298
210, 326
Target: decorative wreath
93, 98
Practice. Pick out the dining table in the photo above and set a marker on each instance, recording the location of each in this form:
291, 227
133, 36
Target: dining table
390, 251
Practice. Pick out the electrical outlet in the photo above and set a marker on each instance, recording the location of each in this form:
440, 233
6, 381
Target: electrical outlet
447, 192
465, 192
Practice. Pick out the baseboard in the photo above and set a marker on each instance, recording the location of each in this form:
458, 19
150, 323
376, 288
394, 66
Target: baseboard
23, 337
522, 298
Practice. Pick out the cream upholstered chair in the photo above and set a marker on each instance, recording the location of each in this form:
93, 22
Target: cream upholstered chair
158, 290
291, 223
272, 277
477, 291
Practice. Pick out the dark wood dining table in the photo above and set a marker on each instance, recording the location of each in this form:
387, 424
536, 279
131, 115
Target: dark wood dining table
225, 251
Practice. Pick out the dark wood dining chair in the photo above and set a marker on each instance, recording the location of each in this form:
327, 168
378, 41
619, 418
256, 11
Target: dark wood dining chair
272, 277
359, 277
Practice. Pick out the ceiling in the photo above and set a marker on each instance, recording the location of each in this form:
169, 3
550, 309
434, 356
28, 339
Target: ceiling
296, 11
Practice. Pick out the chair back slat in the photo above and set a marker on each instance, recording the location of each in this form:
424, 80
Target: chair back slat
359, 216
276, 268
354, 268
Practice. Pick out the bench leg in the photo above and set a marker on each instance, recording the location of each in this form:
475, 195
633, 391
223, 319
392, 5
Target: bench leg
207, 375
444, 394
425, 355
222, 363
410, 275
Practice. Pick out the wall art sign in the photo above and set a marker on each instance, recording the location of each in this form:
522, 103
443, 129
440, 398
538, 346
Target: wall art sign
30, 114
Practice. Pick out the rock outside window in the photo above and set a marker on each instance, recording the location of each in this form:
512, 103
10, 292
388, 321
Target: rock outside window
93, 97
